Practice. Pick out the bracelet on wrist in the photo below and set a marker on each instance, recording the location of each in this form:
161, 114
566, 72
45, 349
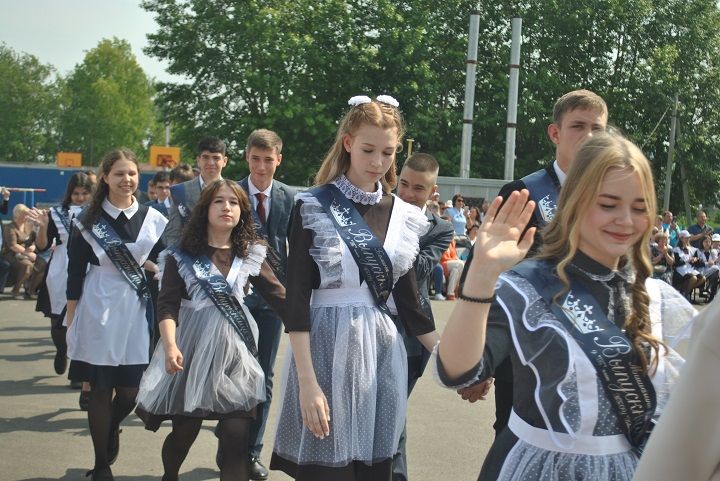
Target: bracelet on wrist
477, 300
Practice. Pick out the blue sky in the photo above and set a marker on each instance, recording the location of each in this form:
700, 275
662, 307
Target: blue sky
59, 32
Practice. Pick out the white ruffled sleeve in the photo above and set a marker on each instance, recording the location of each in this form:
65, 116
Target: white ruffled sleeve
326, 249
414, 224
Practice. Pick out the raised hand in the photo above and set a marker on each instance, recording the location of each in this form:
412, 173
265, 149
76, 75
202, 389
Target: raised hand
502, 240
38, 216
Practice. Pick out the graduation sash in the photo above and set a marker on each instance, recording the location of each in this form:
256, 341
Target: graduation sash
64, 217
544, 192
180, 198
373, 262
123, 260
216, 287
627, 386
272, 255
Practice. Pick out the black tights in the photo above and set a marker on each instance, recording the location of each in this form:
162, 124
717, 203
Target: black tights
234, 438
58, 333
105, 414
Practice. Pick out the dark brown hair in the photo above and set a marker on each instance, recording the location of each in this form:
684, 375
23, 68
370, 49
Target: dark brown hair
194, 239
93, 211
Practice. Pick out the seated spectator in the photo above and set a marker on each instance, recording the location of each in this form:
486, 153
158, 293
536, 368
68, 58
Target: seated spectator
662, 258
473, 217
452, 267
700, 230
686, 277
4, 265
438, 282
20, 251
673, 230
711, 269
472, 232
5, 199
457, 214
483, 210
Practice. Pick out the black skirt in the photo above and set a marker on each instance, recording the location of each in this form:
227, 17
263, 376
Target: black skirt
153, 421
106, 376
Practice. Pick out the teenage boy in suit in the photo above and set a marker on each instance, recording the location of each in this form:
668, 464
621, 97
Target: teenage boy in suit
272, 202
417, 183
577, 115
211, 159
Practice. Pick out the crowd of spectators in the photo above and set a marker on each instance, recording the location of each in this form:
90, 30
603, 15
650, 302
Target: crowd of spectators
687, 258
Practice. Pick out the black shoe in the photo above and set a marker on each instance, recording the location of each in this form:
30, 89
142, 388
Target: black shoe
60, 362
258, 472
103, 474
75, 384
84, 400
114, 446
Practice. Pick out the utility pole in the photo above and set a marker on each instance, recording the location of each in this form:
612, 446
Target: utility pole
513, 98
671, 153
469, 95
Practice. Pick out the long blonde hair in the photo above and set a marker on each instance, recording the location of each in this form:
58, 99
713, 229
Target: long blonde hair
376, 114
561, 237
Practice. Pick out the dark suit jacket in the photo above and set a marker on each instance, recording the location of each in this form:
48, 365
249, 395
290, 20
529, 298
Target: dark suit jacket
432, 246
282, 201
505, 191
160, 206
173, 230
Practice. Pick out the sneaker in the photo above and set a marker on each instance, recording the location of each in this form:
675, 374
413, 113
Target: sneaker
439, 297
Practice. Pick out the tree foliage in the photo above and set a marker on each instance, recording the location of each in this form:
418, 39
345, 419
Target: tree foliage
290, 65
108, 103
28, 107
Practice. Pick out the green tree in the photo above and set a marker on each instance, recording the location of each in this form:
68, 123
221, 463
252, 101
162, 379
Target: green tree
28, 108
108, 104
290, 65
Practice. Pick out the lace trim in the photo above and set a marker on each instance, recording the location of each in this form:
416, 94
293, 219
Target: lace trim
356, 194
434, 360
326, 250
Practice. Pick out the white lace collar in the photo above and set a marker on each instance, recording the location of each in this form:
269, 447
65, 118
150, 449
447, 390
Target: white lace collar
356, 194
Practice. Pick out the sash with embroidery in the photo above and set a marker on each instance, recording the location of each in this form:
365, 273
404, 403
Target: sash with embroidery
64, 217
627, 386
272, 255
180, 199
372, 260
123, 260
544, 192
220, 293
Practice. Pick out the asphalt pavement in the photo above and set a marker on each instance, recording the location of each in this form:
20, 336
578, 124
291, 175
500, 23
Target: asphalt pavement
44, 436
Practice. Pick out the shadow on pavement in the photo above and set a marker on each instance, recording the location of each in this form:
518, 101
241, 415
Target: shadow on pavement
45, 423
33, 385
35, 356
197, 474
24, 328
